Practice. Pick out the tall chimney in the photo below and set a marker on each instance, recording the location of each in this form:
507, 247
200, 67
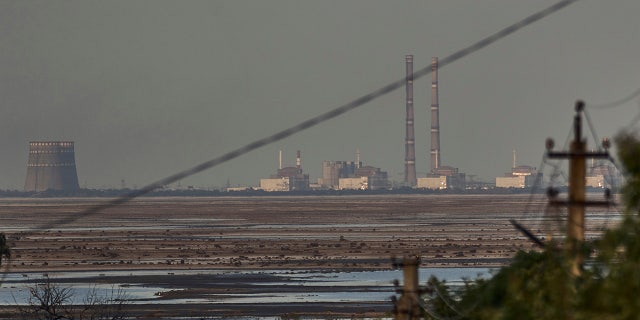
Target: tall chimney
409, 147
298, 160
435, 117
280, 159
514, 158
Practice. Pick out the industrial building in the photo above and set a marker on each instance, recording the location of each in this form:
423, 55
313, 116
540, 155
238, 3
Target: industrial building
365, 178
333, 171
287, 178
520, 176
352, 175
360, 183
444, 177
602, 176
51, 166
275, 184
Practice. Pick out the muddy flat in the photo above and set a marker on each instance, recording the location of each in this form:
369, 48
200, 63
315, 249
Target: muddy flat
333, 233
265, 232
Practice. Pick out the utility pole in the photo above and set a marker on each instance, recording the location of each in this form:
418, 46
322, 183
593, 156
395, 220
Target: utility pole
408, 306
576, 203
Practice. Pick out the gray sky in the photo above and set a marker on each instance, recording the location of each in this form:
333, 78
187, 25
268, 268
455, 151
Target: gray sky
149, 88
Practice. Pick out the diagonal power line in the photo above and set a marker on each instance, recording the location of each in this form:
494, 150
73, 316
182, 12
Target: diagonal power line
315, 120
617, 103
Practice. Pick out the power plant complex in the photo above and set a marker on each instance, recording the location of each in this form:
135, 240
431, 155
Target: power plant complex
351, 175
51, 166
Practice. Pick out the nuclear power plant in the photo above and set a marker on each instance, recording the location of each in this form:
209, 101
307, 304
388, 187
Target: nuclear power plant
345, 175
51, 166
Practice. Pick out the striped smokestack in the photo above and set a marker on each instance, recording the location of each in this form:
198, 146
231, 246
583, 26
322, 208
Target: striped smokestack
409, 149
435, 117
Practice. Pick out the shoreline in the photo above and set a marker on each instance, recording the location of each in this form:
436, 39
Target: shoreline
207, 293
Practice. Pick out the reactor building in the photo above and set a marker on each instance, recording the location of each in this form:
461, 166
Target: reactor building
333, 171
521, 176
603, 175
287, 178
365, 178
352, 175
51, 166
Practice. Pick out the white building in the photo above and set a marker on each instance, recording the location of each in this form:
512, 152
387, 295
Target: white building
434, 183
515, 181
275, 184
359, 183
519, 177
595, 181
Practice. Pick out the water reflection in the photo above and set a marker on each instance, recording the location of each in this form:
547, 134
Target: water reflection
273, 286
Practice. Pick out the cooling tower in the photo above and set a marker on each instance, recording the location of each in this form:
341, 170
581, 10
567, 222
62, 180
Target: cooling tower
410, 178
51, 165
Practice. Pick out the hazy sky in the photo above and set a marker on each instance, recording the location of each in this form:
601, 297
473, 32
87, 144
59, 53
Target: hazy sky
149, 88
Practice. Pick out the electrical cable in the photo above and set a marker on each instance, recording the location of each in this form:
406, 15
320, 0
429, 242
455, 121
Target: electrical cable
611, 182
447, 302
527, 233
537, 183
555, 173
633, 121
592, 128
554, 223
433, 314
617, 103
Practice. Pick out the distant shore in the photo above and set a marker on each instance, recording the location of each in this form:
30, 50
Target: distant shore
253, 192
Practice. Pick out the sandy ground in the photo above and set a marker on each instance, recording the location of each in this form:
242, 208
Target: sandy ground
332, 233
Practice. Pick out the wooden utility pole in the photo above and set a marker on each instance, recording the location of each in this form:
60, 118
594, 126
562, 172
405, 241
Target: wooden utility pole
577, 180
577, 155
408, 306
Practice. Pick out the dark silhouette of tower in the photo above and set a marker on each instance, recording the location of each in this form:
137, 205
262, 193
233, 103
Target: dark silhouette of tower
410, 178
52, 166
